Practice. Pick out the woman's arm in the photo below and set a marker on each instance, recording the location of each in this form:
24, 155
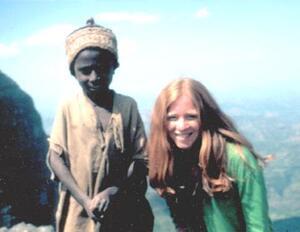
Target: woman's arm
252, 192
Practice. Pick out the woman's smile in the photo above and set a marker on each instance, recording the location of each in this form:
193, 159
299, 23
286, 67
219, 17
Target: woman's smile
183, 122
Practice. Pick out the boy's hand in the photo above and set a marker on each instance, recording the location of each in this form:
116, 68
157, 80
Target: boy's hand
101, 201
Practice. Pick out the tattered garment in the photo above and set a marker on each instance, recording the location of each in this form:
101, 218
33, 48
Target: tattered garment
97, 159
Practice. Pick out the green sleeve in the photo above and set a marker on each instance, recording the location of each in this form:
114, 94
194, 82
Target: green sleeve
248, 176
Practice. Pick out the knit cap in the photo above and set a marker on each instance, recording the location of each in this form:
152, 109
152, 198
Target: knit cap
91, 35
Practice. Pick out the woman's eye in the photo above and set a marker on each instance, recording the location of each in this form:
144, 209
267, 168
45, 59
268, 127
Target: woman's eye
171, 118
192, 117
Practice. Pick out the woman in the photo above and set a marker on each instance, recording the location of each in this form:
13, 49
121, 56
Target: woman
202, 165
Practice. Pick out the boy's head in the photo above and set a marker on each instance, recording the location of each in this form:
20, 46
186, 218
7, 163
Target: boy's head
94, 69
91, 36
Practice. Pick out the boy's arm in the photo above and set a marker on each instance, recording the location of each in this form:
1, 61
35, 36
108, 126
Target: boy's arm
136, 182
62, 172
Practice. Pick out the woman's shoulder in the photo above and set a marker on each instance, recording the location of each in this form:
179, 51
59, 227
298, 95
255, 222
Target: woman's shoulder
240, 155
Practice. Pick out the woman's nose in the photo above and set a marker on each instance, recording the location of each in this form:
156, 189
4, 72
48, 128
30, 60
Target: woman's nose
181, 124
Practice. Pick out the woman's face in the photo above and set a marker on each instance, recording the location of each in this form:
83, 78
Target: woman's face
183, 122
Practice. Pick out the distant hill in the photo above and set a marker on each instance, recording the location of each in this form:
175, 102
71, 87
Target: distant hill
287, 225
273, 126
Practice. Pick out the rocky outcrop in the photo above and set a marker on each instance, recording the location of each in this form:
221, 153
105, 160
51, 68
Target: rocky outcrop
26, 193
23, 227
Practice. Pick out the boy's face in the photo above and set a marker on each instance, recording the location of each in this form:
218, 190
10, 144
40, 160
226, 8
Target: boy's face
94, 70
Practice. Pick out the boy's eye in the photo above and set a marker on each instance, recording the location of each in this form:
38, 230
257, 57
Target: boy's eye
86, 71
104, 68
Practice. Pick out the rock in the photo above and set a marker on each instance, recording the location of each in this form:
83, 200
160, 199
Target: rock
26, 192
23, 227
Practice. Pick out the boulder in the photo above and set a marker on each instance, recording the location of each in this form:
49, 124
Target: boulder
26, 192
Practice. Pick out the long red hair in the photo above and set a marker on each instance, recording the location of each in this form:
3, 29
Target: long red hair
216, 130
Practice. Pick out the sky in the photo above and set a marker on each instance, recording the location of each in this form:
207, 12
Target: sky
246, 49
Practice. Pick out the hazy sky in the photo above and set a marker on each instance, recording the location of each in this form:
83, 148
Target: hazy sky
236, 48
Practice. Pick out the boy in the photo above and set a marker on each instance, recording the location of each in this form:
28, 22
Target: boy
97, 144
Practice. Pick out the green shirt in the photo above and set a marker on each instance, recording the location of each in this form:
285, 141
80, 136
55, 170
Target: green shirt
245, 206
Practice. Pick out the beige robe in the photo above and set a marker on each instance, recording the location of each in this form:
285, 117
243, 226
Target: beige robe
77, 135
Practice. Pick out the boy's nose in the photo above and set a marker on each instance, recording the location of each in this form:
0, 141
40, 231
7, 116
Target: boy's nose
94, 76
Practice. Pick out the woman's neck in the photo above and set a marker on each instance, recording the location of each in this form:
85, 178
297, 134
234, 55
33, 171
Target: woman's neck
194, 149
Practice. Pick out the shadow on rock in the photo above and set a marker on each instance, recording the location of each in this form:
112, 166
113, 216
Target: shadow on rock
26, 193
